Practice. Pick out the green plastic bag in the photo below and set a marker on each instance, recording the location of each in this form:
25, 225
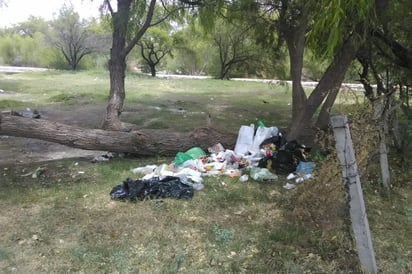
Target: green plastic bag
191, 154
195, 152
182, 157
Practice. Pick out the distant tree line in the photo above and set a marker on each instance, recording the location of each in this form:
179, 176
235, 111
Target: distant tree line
177, 46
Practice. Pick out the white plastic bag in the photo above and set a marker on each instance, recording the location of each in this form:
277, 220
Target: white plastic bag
262, 133
244, 139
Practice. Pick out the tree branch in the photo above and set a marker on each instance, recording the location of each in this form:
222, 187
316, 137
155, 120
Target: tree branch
143, 29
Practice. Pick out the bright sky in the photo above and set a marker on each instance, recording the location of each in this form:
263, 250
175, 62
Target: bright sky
18, 11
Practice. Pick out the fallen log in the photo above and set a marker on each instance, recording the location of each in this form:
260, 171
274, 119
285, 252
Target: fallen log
145, 142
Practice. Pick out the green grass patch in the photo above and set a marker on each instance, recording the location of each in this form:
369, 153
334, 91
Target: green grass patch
10, 104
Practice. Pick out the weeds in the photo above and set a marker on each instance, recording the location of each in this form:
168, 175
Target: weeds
223, 235
408, 213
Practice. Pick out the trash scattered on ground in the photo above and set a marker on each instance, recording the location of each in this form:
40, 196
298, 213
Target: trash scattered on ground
303, 173
260, 154
28, 113
297, 179
35, 173
103, 158
154, 188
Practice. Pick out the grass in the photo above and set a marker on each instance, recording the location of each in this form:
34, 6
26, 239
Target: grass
63, 221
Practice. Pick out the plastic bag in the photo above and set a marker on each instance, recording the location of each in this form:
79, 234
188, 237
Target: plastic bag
195, 152
244, 139
182, 157
262, 174
283, 162
262, 133
191, 154
154, 188
305, 167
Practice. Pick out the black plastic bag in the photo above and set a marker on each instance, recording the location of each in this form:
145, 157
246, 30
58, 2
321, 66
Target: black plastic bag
154, 188
286, 159
282, 162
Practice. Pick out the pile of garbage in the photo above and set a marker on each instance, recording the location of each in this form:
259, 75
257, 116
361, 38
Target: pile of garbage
260, 154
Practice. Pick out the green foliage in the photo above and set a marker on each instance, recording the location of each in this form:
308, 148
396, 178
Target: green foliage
7, 50
333, 21
223, 235
155, 45
10, 104
408, 213
68, 28
192, 51
20, 50
313, 68
405, 124
208, 12
28, 44
32, 26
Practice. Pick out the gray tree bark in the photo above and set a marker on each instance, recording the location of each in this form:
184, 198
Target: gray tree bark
138, 143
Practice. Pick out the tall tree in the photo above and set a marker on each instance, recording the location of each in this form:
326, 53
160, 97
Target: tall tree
130, 21
386, 60
31, 26
155, 45
295, 20
71, 37
192, 54
234, 44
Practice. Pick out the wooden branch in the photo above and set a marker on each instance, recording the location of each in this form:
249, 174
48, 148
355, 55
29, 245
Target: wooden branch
139, 143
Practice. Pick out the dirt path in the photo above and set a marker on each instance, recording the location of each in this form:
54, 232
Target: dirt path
17, 150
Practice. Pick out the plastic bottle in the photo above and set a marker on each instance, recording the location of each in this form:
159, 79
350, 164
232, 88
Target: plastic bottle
260, 123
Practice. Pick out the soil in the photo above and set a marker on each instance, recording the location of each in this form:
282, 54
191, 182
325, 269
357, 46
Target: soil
17, 150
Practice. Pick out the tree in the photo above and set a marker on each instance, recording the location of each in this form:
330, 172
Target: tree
22, 50
130, 21
386, 60
137, 143
234, 46
71, 37
32, 26
293, 20
155, 45
192, 54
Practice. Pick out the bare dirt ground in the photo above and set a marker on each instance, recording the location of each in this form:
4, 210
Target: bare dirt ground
17, 150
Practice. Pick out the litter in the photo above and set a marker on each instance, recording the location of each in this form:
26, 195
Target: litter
259, 154
103, 158
28, 113
303, 173
262, 174
157, 187
192, 154
144, 170
305, 167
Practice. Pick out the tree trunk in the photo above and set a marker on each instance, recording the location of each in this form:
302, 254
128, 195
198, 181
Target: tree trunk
295, 40
324, 114
153, 70
330, 82
117, 67
138, 143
